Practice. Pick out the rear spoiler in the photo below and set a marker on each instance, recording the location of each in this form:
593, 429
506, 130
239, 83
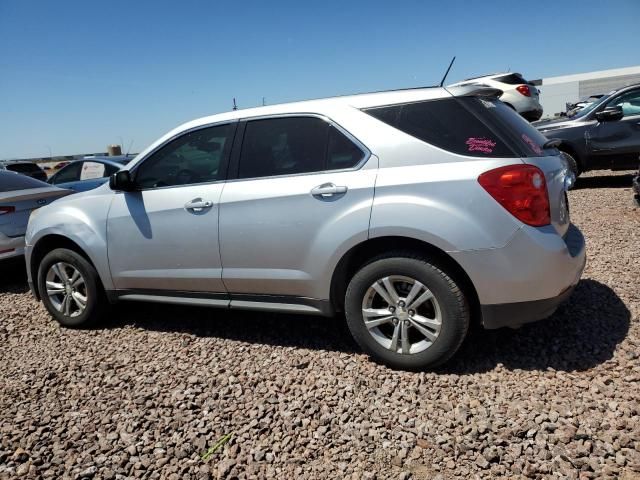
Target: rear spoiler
475, 90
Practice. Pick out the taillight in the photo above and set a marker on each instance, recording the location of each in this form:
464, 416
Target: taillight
4, 210
524, 90
521, 190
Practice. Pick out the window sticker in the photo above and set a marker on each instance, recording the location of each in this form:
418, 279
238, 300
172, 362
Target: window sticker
484, 145
532, 145
91, 170
487, 103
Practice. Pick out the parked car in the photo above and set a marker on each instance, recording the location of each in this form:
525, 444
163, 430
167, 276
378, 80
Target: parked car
573, 108
30, 169
517, 92
59, 165
407, 210
88, 173
19, 196
604, 135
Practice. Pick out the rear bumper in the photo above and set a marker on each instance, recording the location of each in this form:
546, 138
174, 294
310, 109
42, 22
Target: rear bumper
528, 278
532, 115
517, 314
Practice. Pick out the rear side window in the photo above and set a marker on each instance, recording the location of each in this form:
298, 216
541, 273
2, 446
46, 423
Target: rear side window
512, 79
293, 145
469, 126
445, 123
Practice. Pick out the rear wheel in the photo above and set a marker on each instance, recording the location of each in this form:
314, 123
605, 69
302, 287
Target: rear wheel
406, 312
70, 288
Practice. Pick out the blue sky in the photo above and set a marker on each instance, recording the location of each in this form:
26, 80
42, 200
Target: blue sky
78, 75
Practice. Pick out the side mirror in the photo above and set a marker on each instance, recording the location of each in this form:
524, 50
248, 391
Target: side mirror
610, 113
121, 181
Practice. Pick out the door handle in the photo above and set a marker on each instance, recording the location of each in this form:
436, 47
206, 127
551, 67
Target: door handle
197, 204
327, 190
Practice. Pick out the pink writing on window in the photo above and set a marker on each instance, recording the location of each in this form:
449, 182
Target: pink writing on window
532, 145
483, 145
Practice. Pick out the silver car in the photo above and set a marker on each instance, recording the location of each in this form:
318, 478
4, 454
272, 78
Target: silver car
19, 196
412, 212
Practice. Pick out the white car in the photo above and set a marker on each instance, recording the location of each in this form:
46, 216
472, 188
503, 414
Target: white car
518, 93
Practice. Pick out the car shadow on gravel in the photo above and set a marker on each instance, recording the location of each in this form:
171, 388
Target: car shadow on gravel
604, 181
265, 328
582, 334
13, 276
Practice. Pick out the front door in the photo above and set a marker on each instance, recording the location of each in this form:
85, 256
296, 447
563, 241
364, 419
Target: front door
616, 144
163, 237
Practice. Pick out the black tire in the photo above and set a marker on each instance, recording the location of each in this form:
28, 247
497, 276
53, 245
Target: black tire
573, 163
453, 305
96, 301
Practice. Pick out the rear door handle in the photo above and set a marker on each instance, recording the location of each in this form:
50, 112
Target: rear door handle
197, 204
327, 190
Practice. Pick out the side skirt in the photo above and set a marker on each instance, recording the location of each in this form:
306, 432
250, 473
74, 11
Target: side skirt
267, 303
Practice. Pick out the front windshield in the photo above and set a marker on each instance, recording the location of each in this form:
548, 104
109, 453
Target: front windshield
589, 108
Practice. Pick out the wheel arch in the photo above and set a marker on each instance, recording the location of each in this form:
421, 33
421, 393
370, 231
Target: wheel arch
361, 253
570, 149
45, 245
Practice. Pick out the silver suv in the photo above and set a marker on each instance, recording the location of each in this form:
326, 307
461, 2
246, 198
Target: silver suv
412, 212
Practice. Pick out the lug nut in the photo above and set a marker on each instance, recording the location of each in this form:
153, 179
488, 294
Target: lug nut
411, 313
394, 320
401, 303
392, 309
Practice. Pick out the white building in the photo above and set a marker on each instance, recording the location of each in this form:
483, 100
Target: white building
555, 92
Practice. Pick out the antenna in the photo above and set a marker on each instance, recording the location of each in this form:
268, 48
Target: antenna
129, 149
235, 107
447, 72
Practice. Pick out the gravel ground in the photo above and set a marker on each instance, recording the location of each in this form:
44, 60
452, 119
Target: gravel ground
146, 395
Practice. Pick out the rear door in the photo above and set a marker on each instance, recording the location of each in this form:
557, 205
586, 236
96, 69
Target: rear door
616, 143
302, 189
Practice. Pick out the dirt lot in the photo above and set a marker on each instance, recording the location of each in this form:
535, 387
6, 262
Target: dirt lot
146, 395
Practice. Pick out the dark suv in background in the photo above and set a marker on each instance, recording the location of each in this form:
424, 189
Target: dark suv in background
604, 135
29, 169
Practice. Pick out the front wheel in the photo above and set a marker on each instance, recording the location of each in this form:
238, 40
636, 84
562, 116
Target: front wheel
572, 163
70, 288
406, 312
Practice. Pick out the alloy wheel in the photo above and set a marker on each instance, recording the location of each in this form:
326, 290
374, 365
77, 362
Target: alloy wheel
66, 289
401, 314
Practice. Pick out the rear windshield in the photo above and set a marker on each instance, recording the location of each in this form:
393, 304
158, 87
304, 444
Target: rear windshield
467, 126
10, 181
512, 79
23, 167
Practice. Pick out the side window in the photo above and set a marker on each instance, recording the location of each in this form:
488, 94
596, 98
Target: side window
69, 173
445, 123
194, 157
630, 103
110, 170
91, 170
342, 152
281, 146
